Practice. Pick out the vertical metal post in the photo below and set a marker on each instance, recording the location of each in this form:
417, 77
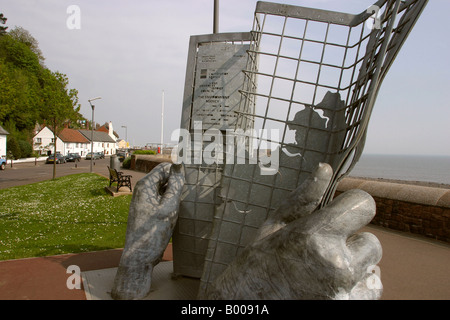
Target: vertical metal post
92, 130
92, 135
216, 17
162, 122
126, 136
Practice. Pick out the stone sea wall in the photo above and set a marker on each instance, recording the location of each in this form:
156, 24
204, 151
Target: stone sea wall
145, 163
417, 209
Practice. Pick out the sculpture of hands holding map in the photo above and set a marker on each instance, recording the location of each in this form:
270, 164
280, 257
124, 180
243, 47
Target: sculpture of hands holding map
302, 252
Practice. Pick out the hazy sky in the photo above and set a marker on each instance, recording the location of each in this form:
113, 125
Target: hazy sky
128, 52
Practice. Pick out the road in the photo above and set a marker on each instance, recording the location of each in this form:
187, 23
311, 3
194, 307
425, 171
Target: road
26, 173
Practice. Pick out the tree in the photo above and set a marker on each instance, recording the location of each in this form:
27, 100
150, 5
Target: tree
29, 92
24, 36
3, 21
14, 148
20, 84
60, 104
18, 141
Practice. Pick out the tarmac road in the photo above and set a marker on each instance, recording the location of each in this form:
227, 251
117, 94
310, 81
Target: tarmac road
26, 173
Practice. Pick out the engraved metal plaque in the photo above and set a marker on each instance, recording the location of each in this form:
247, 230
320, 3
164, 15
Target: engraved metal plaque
218, 79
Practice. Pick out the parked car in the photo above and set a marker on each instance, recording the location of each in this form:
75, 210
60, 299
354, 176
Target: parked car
94, 156
101, 155
59, 158
2, 164
73, 157
121, 156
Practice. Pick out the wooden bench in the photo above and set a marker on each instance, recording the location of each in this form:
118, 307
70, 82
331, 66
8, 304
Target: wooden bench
121, 179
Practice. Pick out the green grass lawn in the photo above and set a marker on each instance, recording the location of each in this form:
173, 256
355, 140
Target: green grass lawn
66, 215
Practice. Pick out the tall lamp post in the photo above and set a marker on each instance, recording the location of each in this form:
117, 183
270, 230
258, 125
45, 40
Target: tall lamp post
162, 123
92, 130
126, 136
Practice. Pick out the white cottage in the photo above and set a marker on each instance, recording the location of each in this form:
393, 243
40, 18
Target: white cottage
102, 141
74, 142
3, 134
43, 142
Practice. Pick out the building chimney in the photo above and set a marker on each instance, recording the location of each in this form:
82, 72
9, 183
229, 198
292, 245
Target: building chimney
111, 131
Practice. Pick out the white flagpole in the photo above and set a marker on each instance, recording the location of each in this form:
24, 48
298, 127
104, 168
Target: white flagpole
162, 122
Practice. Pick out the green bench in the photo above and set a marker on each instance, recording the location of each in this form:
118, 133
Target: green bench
121, 179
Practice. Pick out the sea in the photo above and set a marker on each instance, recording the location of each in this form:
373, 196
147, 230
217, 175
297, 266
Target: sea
421, 168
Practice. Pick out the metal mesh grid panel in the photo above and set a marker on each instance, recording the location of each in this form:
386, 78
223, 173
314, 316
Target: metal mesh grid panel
312, 77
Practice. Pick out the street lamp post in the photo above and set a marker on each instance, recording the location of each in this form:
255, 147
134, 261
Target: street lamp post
126, 136
162, 123
92, 130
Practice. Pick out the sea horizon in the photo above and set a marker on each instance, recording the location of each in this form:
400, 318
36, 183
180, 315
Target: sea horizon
422, 168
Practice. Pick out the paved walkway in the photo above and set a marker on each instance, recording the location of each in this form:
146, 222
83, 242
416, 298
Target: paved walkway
412, 268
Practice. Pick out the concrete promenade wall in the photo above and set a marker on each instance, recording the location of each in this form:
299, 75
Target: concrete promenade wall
417, 209
406, 207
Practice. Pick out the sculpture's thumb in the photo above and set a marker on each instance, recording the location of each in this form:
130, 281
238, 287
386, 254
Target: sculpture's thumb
172, 194
300, 202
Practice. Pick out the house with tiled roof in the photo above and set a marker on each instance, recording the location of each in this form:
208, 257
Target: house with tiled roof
74, 142
108, 128
43, 142
102, 141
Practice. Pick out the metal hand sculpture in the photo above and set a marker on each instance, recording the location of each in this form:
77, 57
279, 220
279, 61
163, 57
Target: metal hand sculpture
152, 217
300, 253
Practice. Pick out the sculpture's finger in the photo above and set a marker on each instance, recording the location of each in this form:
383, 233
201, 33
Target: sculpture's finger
308, 195
149, 187
365, 251
300, 202
171, 196
345, 215
369, 288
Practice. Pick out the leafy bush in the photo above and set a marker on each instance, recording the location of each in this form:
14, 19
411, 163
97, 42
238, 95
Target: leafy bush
13, 148
144, 152
19, 148
26, 150
126, 164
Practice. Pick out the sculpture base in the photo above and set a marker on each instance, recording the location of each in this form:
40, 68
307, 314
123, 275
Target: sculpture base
123, 191
98, 284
